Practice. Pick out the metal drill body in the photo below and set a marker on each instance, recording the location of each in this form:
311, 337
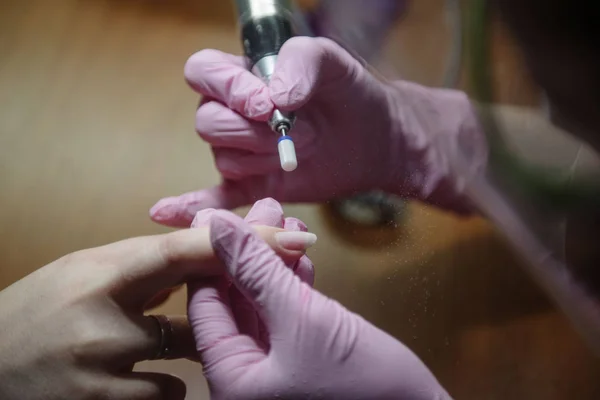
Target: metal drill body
265, 26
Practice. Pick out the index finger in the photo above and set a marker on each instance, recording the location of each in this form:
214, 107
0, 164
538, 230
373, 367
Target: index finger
153, 263
224, 77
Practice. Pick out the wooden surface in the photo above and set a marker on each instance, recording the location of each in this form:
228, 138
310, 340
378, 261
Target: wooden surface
96, 124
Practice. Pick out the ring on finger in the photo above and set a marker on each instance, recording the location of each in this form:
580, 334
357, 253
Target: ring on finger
166, 337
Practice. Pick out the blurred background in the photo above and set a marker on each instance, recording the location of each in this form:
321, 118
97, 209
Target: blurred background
96, 124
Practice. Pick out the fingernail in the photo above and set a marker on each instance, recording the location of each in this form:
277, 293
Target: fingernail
296, 240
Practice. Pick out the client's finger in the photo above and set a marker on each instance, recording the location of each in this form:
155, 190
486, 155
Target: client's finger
144, 266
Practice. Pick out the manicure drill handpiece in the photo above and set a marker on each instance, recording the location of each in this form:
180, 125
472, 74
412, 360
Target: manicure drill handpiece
265, 26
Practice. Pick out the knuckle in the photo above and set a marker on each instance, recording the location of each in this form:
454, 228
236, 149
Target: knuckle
166, 248
329, 50
256, 102
87, 343
303, 42
202, 217
206, 55
325, 44
269, 202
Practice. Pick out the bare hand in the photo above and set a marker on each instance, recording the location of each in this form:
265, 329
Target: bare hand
75, 328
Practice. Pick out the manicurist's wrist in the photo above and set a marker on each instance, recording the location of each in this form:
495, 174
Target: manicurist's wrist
437, 145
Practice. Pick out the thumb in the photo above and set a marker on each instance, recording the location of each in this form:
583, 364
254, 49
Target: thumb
262, 277
306, 65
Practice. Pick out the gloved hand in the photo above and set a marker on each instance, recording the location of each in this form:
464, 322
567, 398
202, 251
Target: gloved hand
353, 133
266, 212
312, 346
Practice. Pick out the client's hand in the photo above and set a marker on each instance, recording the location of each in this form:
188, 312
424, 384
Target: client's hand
75, 328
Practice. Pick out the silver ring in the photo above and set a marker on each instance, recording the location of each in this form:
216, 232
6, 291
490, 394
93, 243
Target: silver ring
166, 335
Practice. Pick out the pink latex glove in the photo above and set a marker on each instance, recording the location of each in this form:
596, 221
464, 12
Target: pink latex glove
266, 212
353, 133
313, 347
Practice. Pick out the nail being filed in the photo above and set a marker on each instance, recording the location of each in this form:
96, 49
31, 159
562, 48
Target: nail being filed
296, 241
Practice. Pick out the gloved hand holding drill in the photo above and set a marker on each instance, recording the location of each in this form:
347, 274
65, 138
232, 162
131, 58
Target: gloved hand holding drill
353, 133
